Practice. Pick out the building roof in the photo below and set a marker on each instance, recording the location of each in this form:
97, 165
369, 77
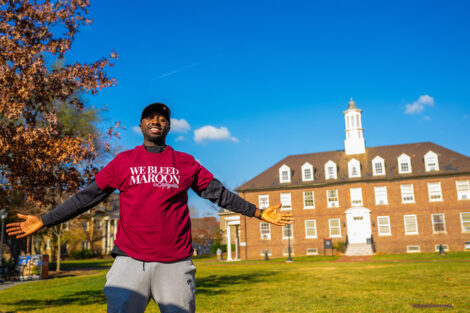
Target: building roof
450, 163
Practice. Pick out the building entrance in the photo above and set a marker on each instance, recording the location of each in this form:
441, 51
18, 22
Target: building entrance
359, 228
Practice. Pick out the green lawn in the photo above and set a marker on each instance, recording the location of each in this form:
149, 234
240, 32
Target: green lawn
313, 284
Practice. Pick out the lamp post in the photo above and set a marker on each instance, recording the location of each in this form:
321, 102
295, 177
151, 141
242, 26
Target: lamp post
289, 258
3, 216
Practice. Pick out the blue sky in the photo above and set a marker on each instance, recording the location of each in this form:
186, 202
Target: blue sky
277, 75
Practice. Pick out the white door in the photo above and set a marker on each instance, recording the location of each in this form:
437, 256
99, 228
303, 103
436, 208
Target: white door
359, 228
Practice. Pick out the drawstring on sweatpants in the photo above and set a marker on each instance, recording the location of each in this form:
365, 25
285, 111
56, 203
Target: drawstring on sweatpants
143, 266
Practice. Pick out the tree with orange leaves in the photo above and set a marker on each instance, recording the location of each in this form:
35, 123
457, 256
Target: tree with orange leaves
38, 157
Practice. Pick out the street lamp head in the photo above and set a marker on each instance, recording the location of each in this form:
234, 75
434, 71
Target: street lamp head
3, 214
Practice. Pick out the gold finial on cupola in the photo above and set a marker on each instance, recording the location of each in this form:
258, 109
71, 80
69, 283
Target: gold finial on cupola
352, 104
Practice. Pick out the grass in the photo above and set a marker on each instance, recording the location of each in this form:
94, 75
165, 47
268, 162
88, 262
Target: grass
311, 284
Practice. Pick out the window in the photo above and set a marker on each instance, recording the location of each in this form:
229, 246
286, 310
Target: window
411, 225
86, 226
463, 189
332, 197
307, 172
286, 201
335, 227
404, 164
263, 201
287, 231
264, 251
435, 193
356, 196
407, 194
413, 249
431, 162
381, 195
378, 166
465, 218
354, 168
438, 223
286, 251
309, 200
383, 223
310, 229
312, 251
330, 170
265, 231
284, 174
445, 246
466, 247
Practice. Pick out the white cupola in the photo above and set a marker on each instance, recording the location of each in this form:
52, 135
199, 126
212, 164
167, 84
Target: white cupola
354, 143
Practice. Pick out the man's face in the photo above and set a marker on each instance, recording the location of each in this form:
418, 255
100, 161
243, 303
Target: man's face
155, 127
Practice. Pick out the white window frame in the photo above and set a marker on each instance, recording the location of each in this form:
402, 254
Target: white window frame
463, 189
356, 197
434, 223
307, 166
354, 168
311, 251
313, 200
265, 235
314, 227
286, 201
429, 159
404, 159
263, 201
380, 220
284, 230
286, 251
380, 193
407, 231
406, 191
434, 191
263, 251
465, 224
413, 246
446, 247
282, 179
334, 174
334, 227
332, 204
378, 160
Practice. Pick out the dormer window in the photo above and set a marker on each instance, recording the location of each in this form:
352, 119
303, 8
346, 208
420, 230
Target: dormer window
354, 168
284, 174
307, 172
330, 170
431, 161
404, 164
378, 166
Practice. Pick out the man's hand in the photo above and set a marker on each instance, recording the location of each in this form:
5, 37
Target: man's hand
28, 227
273, 216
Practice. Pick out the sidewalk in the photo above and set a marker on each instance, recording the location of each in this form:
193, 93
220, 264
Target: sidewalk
9, 284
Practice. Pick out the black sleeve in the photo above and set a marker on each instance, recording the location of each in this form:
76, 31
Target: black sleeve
80, 202
218, 194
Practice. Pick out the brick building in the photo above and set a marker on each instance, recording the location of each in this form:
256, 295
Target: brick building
396, 199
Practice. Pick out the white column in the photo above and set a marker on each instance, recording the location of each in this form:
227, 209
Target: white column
229, 244
237, 242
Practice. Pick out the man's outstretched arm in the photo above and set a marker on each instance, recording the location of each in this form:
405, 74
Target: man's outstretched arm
80, 202
220, 195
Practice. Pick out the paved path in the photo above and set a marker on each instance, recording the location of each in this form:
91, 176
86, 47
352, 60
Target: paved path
9, 284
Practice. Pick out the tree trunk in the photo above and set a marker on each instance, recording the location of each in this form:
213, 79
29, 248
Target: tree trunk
59, 235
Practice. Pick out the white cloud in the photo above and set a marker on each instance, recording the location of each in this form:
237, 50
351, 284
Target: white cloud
136, 129
179, 125
212, 133
419, 105
427, 118
179, 138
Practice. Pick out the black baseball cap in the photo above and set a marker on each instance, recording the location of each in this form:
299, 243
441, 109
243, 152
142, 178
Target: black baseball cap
156, 107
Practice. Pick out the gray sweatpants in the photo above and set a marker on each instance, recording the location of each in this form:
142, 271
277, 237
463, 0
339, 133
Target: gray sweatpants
130, 284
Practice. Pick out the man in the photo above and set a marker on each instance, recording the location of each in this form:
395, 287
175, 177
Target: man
153, 242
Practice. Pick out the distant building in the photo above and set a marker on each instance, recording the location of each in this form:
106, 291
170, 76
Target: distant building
399, 199
203, 231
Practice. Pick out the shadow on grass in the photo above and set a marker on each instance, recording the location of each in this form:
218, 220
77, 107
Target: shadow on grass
215, 284
85, 297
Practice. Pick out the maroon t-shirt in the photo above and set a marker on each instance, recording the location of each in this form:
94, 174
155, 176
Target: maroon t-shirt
154, 222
